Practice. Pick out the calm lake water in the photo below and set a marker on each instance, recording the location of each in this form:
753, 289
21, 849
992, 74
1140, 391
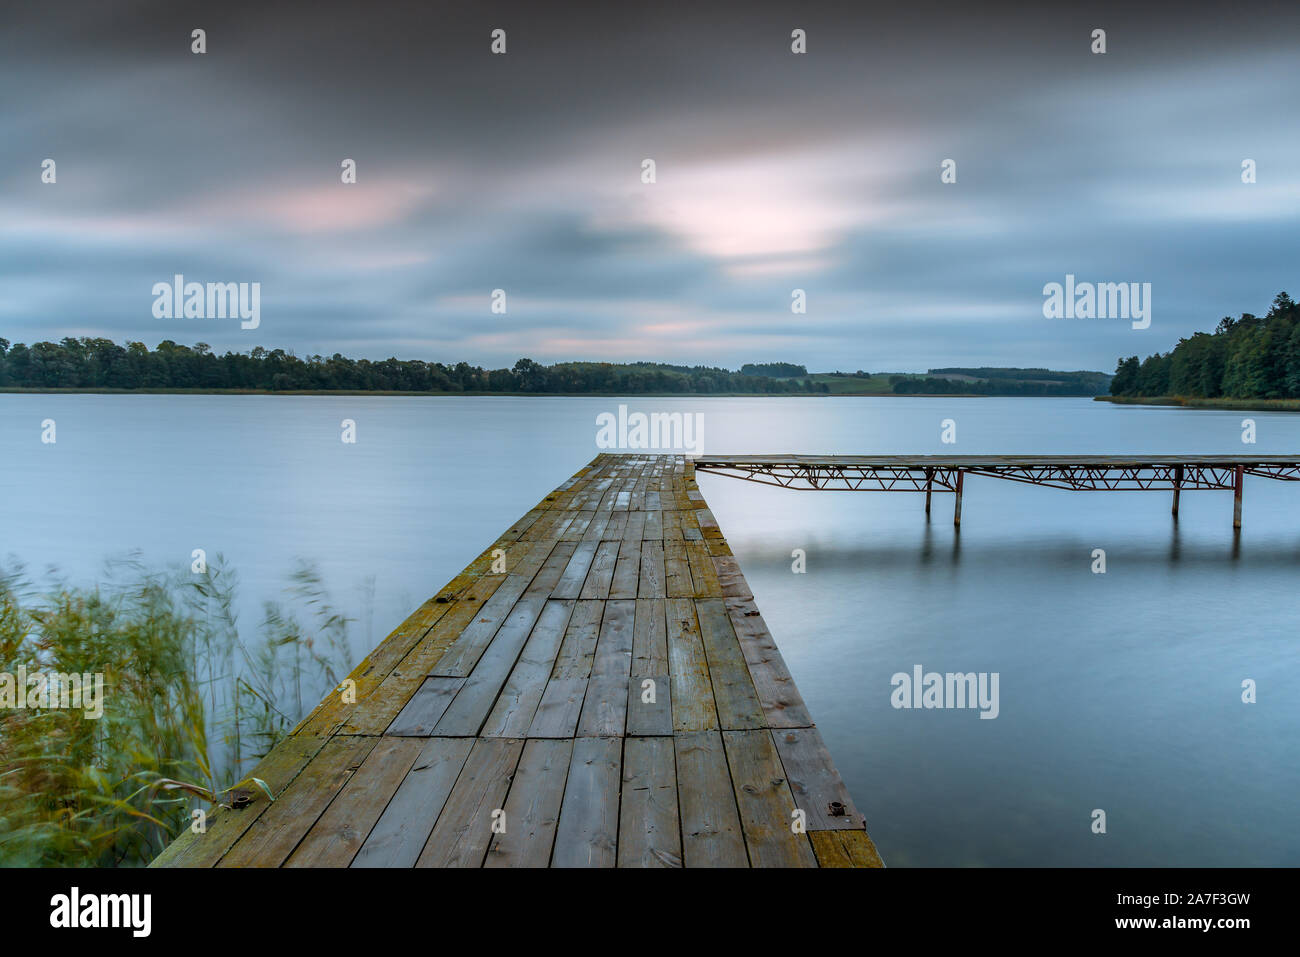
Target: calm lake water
1119, 691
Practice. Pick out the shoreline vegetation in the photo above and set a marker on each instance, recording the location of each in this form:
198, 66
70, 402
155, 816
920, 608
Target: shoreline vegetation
1193, 402
100, 366
446, 395
189, 701
1252, 362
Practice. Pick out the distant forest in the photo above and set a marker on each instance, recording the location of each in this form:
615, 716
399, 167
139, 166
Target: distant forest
995, 381
777, 370
102, 364
1254, 357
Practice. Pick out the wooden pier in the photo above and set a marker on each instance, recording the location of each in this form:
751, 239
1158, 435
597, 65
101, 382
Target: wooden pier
947, 473
596, 689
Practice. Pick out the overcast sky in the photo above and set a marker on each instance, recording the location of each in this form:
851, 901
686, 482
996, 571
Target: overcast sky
775, 171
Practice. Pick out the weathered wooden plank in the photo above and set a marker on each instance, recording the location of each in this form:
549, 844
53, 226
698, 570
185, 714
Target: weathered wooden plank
473, 703
504, 557
337, 706
578, 527
604, 709
548, 576
561, 705
544, 528
588, 494
677, 571
532, 809
765, 802
426, 707
602, 571
646, 717
578, 650
579, 498
575, 572
649, 826
783, 706
411, 638
400, 834
615, 526
518, 528
273, 836
587, 833
692, 691
703, 572
652, 570
464, 828
737, 701
814, 781
654, 526
463, 653
375, 712
614, 647
730, 578
635, 529
533, 558
711, 829
225, 826
561, 526
708, 524
335, 839
627, 571
650, 638
512, 714
596, 528
637, 502
845, 849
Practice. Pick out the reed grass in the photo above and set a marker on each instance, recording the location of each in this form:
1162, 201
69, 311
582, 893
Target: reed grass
190, 704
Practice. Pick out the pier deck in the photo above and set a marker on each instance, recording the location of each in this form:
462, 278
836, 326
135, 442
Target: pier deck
597, 688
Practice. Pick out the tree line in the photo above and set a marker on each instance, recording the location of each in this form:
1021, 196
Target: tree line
94, 363
777, 370
1254, 357
1002, 381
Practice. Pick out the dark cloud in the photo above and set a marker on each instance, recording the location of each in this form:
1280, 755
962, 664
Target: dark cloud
521, 172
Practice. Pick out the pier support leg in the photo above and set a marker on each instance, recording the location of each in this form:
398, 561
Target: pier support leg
929, 481
1236, 496
1178, 486
956, 511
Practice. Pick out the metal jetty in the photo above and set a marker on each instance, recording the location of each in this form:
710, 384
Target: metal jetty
946, 473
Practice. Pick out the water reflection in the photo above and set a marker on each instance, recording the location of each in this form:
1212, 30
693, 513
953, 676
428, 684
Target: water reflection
1119, 690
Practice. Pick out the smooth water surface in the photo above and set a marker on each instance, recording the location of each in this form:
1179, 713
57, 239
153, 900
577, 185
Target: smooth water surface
1118, 691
